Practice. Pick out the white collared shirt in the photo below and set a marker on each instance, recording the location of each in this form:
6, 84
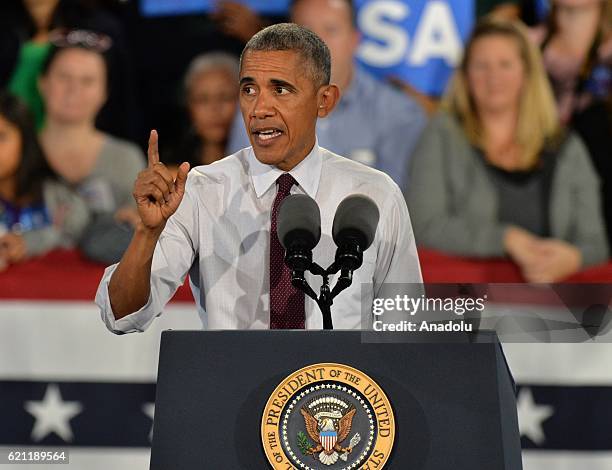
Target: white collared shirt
220, 235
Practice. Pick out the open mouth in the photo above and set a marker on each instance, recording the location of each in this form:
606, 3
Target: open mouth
267, 134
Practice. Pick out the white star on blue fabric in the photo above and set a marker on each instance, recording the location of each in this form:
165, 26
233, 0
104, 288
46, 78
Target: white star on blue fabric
149, 410
531, 416
53, 415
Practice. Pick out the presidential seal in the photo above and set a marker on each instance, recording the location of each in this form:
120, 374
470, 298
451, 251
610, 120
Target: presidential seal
328, 416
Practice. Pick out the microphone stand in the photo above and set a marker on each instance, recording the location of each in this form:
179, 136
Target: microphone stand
326, 295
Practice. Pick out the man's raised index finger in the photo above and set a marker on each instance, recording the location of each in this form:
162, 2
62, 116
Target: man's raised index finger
153, 151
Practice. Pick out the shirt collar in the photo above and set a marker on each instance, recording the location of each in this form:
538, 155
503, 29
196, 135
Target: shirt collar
307, 173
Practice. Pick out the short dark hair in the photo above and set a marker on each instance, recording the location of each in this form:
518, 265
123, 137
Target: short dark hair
292, 37
349, 3
33, 169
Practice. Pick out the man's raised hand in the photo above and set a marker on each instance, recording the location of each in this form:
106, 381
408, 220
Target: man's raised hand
157, 194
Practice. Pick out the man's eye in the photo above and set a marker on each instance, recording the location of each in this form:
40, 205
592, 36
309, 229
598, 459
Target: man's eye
248, 90
281, 90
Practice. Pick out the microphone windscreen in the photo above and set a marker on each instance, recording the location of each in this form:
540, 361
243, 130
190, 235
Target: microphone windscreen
299, 219
356, 214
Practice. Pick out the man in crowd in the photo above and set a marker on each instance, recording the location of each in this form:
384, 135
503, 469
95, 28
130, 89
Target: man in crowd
373, 123
219, 224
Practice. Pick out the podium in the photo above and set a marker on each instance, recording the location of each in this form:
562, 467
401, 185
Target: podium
223, 397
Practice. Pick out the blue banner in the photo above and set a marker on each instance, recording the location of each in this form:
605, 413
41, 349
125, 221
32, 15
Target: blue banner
418, 41
187, 7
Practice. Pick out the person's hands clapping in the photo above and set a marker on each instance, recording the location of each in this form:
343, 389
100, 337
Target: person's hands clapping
521, 245
157, 194
541, 259
554, 261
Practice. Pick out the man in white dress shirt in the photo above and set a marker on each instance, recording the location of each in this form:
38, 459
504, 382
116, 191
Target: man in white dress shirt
215, 223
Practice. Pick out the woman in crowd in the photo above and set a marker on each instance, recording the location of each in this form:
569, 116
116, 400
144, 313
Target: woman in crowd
576, 46
102, 168
26, 27
37, 213
496, 175
211, 97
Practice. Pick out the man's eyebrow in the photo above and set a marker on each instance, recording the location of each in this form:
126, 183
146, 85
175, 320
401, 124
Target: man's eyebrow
244, 80
283, 83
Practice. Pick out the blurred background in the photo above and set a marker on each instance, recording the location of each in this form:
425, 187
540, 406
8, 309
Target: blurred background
493, 116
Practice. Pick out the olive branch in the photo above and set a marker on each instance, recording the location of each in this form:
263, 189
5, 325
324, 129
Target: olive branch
303, 443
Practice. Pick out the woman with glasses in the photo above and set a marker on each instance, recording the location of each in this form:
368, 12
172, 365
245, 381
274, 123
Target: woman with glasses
26, 35
496, 175
102, 168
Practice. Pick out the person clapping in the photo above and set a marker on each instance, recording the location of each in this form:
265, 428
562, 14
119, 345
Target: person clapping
495, 174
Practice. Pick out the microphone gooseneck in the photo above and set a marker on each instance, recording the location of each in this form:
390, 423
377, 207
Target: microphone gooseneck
299, 231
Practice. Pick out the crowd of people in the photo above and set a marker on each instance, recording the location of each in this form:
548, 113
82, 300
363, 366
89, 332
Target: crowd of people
514, 160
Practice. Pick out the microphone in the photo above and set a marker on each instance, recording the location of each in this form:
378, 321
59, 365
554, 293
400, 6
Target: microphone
354, 229
299, 230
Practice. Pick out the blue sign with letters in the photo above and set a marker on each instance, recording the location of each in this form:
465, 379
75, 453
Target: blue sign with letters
418, 41
188, 7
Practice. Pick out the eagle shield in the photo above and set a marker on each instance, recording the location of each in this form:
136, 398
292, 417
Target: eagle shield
328, 440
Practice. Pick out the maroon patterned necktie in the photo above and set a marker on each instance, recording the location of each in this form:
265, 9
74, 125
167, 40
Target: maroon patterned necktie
286, 302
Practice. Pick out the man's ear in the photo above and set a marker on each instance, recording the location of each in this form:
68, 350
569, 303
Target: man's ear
328, 97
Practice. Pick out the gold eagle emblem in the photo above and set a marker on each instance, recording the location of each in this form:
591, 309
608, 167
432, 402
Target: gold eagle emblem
329, 425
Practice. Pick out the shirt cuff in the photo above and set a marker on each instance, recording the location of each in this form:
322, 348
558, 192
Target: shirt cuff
137, 321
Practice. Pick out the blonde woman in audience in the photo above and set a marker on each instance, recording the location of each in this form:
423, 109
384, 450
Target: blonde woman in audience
102, 168
495, 174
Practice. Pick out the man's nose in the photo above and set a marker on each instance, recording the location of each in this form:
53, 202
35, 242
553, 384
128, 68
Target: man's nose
262, 107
